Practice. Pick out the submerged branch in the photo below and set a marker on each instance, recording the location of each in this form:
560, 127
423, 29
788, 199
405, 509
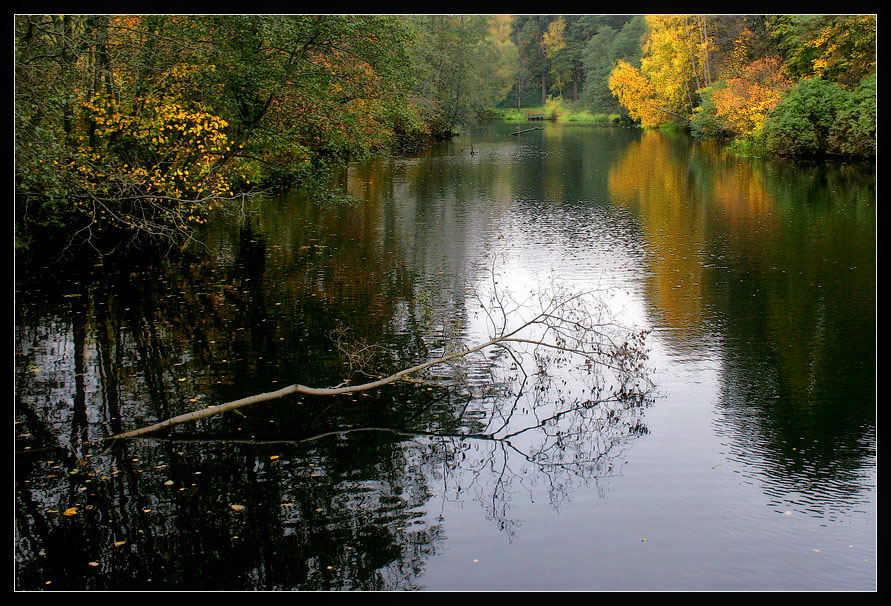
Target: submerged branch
566, 324
299, 389
520, 132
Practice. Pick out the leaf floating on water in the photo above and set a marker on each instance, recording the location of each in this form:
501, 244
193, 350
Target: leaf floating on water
236, 507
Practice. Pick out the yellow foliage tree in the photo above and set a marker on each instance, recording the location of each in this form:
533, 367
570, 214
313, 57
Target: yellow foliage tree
847, 49
673, 68
676, 59
149, 162
639, 96
553, 40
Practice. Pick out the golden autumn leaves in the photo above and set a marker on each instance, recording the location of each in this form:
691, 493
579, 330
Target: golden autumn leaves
161, 150
693, 71
674, 66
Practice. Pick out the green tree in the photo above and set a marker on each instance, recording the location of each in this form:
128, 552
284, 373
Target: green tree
144, 123
803, 121
854, 131
463, 66
601, 53
529, 31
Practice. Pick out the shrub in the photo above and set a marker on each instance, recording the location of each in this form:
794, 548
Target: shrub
802, 122
705, 123
854, 132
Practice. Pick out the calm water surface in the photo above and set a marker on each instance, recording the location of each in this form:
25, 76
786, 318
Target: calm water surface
752, 466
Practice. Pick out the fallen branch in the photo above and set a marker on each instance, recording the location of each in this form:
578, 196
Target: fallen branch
565, 324
301, 389
520, 132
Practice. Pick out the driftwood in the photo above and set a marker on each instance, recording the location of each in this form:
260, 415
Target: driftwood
520, 132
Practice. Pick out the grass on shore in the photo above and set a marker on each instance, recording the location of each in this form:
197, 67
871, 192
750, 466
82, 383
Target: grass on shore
561, 115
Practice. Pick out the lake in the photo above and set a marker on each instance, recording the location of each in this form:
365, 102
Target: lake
749, 465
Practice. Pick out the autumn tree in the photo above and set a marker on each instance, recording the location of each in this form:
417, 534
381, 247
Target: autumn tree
673, 68
840, 49
142, 124
110, 143
745, 102
675, 59
846, 50
638, 95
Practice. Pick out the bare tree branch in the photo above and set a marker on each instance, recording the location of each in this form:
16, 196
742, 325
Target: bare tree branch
558, 327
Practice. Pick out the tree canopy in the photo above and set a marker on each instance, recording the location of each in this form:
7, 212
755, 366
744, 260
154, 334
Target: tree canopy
143, 124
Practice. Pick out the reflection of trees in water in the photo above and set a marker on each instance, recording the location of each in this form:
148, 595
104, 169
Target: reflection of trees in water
326, 506
799, 385
346, 502
142, 343
782, 257
555, 444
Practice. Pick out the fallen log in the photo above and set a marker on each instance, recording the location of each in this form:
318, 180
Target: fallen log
520, 132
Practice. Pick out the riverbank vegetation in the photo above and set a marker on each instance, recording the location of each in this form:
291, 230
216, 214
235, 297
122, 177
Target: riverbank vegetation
139, 126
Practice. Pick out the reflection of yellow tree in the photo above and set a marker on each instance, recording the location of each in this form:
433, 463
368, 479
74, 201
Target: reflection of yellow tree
669, 196
737, 188
649, 178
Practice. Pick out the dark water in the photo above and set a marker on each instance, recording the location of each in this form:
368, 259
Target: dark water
752, 466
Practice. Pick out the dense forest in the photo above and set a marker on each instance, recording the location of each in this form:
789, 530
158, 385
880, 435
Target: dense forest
141, 125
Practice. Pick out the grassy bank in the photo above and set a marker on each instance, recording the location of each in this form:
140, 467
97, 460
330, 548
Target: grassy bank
556, 113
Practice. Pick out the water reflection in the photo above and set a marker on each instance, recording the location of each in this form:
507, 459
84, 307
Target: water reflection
308, 493
764, 269
772, 266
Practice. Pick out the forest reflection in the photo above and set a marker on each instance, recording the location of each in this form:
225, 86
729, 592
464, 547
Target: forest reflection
306, 493
772, 265
765, 268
